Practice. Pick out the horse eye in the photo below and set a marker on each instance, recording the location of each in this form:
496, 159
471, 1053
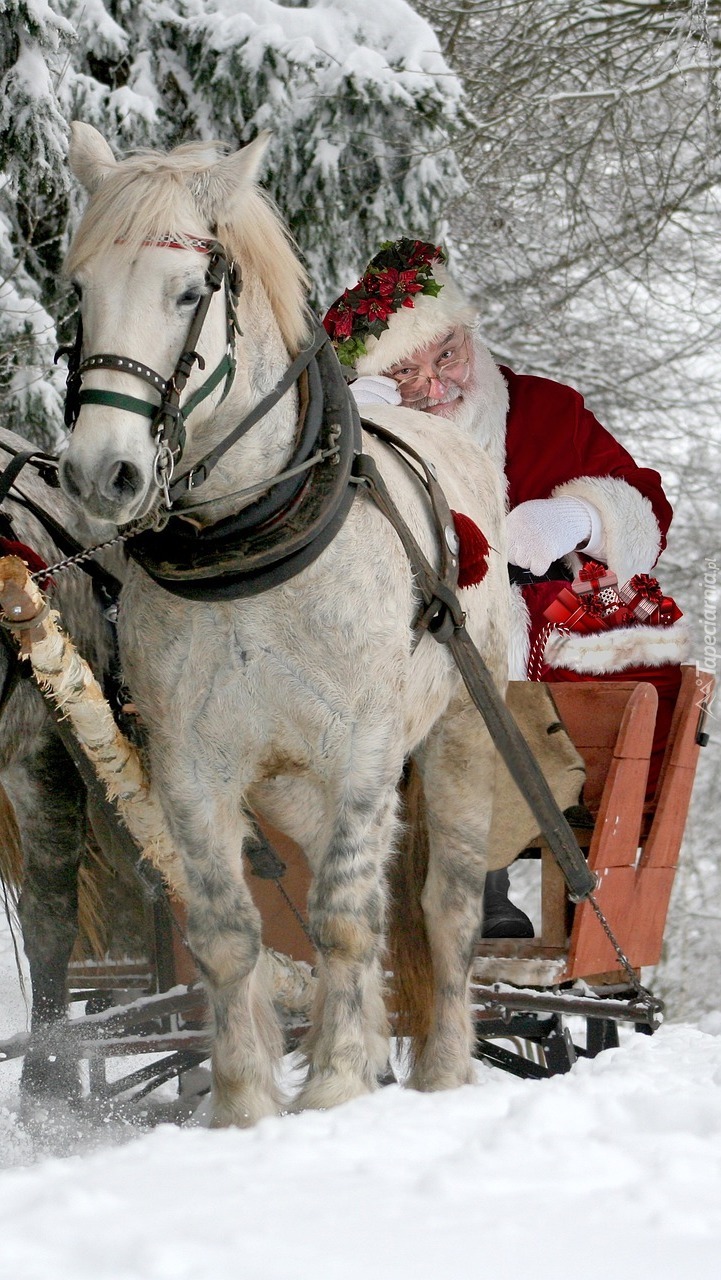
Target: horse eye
190, 298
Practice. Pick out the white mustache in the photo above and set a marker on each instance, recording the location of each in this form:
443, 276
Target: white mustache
452, 393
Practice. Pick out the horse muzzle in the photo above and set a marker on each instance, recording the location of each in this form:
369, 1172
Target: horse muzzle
114, 489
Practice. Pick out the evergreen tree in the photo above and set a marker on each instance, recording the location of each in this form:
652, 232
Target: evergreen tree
359, 101
33, 211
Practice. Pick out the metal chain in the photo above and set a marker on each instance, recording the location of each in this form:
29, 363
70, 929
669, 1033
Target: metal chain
141, 526
647, 997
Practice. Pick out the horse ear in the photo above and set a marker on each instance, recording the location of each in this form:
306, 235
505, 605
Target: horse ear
91, 159
233, 176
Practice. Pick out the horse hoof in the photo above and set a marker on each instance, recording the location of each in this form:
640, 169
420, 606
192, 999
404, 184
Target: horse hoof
243, 1111
435, 1081
51, 1076
329, 1089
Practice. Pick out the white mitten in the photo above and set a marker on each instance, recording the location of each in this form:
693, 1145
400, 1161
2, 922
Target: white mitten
375, 390
544, 529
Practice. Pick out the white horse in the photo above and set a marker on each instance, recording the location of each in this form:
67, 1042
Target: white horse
303, 701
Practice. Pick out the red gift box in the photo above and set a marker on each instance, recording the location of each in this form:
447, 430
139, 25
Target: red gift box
645, 600
566, 611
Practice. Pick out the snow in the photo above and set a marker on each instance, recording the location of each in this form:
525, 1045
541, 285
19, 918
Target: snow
333, 26
614, 1168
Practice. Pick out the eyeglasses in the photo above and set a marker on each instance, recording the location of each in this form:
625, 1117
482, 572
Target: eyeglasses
454, 359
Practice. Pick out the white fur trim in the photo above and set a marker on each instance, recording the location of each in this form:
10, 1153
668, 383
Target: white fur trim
518, 638
632, 538
412, 328
604, 652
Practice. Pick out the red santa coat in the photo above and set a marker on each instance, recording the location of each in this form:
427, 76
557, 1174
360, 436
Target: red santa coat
553, 439
556, 447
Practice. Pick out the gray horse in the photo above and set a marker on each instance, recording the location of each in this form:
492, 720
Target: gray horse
47, 795
303, 702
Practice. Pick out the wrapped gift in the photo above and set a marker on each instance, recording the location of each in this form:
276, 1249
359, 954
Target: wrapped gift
592, 602
596, 587
593, 578
595, 602
570, 612
646, 602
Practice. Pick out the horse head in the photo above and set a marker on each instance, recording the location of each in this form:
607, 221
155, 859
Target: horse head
191, 300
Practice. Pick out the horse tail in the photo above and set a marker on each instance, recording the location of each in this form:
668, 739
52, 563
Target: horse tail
409, 952
93, 922
11, 853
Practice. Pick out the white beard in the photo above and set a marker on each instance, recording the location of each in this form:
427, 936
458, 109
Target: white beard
482, 408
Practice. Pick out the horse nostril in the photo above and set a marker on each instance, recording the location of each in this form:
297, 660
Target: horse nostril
70, 479
123, 480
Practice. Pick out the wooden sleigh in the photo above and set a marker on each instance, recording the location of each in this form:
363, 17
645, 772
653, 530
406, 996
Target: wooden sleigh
529, 993
632, 846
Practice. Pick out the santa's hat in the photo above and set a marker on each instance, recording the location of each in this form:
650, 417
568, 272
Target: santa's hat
404, 300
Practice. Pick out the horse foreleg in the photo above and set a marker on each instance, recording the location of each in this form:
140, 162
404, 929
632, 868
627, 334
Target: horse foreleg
224, 934
49, 801
457, 766
348, 1047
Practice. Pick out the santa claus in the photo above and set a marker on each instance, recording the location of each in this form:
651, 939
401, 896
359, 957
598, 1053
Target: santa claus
410, 337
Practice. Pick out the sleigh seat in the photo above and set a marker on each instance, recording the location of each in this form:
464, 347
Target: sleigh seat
632, 845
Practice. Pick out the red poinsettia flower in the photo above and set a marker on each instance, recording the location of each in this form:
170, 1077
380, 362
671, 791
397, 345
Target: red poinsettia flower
387, 283
344, 323
375, 308
409, 282
423, 253
338, 322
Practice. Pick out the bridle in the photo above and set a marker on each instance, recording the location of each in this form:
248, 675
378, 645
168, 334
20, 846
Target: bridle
168, 417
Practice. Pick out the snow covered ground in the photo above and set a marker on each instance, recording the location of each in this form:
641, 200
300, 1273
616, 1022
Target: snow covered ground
612, 1170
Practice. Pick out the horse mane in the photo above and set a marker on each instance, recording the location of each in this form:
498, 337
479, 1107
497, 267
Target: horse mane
150, 194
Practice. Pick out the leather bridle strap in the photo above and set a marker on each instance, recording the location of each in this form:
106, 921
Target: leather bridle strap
45, 464
199, 473
168, 420
13, 670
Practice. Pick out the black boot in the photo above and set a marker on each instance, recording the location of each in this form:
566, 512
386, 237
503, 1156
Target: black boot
501, 919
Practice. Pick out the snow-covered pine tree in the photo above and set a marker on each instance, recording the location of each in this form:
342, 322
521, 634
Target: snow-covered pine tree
358, 98
34, 44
